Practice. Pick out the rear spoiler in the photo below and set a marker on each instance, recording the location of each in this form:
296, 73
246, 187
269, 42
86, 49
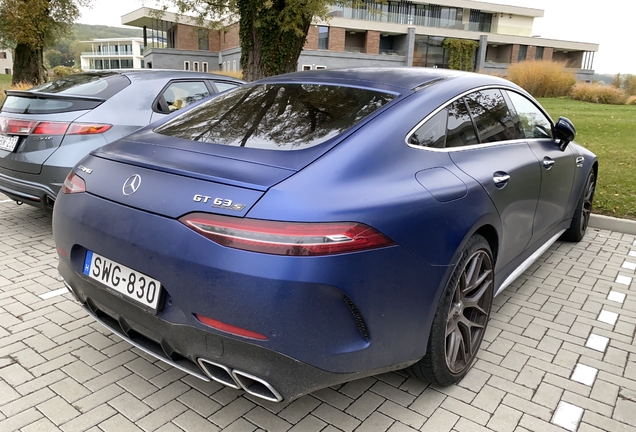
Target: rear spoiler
44, 95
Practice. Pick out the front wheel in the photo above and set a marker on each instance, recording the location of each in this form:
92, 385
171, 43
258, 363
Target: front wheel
461, 317
581, 218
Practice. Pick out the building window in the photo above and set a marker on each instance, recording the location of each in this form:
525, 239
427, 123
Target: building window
205, 66
7, 71
321, 67
204, 42
480, 21
323, 37
429, 51
234, 65
539, 54
3, 54
306, 67
523, 51
186, 65
195, 66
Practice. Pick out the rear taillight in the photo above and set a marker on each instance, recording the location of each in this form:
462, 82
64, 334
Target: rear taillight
16, 127
286, 238
87, 129
50, 128
26, 127
73, 184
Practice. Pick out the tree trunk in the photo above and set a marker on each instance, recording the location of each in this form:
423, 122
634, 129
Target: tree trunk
28, 65
266, 48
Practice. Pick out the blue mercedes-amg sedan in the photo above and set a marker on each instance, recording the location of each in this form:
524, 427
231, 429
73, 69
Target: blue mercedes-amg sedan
313, 228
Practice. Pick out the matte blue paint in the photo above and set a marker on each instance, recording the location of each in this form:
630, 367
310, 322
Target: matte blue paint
429, 202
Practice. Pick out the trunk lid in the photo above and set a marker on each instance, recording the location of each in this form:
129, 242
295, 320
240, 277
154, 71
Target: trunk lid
223, 186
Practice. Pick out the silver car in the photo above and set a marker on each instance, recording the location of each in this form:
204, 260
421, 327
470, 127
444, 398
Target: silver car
46, 130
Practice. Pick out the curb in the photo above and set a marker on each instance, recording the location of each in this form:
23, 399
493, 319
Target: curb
625, 226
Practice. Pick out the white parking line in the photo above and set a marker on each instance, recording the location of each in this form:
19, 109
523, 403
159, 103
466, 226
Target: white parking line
616, 296
567, 416
52, 294
629, 265
4, 201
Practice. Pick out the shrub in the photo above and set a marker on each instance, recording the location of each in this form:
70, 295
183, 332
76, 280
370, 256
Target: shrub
631, 100
630, 85
598, 94
542, 78
62, 71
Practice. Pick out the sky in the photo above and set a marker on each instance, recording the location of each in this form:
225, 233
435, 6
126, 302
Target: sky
608, 23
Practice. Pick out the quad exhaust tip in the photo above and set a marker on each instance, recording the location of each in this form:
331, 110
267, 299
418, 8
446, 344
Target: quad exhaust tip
240, 380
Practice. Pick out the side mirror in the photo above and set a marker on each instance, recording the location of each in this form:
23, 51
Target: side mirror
564, 132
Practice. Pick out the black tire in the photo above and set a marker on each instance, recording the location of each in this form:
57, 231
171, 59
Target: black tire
460, 317
581, 218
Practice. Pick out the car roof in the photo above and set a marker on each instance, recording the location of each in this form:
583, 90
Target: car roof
402, 77
152, 74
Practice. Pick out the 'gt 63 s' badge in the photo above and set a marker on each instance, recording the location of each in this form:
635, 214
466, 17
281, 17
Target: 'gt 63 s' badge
219, 202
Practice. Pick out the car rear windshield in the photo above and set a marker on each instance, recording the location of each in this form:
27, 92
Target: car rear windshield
276, 116
97, 85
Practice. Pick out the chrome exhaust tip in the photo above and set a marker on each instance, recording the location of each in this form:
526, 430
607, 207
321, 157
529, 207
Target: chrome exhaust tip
219, 373
256, 386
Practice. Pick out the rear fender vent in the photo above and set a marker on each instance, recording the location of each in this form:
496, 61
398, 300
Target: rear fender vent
357, 317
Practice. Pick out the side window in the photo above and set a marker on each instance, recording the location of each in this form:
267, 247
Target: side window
460, 130
533, 122
491, 115
181, 94
222, 86
432, 133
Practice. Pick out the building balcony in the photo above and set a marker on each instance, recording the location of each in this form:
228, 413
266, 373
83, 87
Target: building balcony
411, 17
108, 54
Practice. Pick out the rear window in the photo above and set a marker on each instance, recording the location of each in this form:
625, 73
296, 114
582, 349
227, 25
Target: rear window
99, 85
102, 85
276, 116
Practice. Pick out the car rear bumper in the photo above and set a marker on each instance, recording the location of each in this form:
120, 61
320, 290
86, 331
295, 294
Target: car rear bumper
33, 189
259, 371
327, 319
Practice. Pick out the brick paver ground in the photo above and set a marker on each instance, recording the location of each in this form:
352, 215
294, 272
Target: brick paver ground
559, 350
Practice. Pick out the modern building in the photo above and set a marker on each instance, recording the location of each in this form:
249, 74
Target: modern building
395, 33
113, 53
6, 62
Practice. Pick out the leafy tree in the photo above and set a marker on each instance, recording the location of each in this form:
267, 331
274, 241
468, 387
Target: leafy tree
53, 57
30, 26
272, 32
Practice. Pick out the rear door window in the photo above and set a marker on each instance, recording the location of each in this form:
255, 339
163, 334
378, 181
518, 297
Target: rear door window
180, 94
491, 116
460, 129
222, 86
284, 116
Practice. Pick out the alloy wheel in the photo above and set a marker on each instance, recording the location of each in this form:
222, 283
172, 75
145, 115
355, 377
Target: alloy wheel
469, 311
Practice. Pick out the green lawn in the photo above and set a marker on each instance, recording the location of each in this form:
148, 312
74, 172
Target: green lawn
610, 132
5, 79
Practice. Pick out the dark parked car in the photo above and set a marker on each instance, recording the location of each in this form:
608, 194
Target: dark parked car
313, 228
45, 131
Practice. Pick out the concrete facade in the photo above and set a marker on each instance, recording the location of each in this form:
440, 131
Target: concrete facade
113, 53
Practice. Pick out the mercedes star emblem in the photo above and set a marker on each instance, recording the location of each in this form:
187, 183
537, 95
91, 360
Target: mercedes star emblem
131, 184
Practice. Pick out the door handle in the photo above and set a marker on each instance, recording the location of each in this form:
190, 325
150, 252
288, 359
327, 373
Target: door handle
547, 162
501, 179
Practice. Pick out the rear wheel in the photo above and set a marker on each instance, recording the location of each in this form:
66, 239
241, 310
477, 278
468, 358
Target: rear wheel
461, 318
581, 218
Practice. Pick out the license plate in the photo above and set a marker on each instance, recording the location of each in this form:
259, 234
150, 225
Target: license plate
126, 281
8, 143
